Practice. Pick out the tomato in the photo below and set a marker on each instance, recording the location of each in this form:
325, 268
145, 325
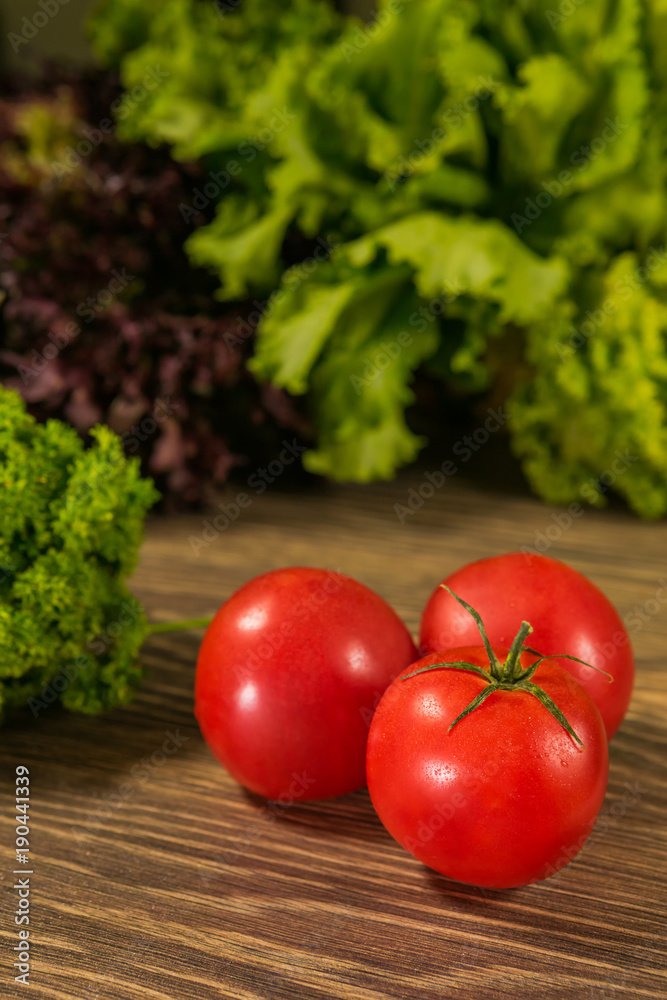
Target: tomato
289, 672
504, 798
568, 613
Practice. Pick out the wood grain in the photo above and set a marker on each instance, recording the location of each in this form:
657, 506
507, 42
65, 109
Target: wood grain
185, 886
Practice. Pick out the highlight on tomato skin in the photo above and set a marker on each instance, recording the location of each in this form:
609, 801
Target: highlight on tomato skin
288, 676
569, 614
504, 798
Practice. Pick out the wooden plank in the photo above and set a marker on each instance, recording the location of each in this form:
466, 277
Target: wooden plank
158, 877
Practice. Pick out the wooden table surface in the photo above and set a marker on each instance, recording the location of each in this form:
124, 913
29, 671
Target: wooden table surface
156, 876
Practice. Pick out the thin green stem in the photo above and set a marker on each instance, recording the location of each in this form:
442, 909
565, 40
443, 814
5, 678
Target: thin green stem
551, 705
509, 666
456, 665
178, 626
526, 674
475, 703
510, 677
493, 659
567, 656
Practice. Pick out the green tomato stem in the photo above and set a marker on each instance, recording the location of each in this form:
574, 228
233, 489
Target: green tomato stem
508, 677
511, 666
178, 626
496, 669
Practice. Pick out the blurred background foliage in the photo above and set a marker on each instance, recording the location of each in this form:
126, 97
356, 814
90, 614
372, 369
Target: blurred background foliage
103, 319
465, 194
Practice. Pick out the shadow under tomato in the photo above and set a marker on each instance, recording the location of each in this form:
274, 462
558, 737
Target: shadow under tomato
471, 897
347, 816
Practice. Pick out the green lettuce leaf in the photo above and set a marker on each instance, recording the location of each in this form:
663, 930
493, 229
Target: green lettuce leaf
352, 335
607, 359
502, 161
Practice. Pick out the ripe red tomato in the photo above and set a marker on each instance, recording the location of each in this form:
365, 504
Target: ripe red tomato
568, 613
288, 675
504, 798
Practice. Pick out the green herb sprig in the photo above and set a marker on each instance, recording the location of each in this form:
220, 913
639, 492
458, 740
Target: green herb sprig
71, 523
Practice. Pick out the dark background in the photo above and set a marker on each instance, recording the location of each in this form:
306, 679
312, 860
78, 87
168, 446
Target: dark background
64, 35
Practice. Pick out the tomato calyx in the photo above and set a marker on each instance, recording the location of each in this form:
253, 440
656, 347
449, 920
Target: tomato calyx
507, 676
